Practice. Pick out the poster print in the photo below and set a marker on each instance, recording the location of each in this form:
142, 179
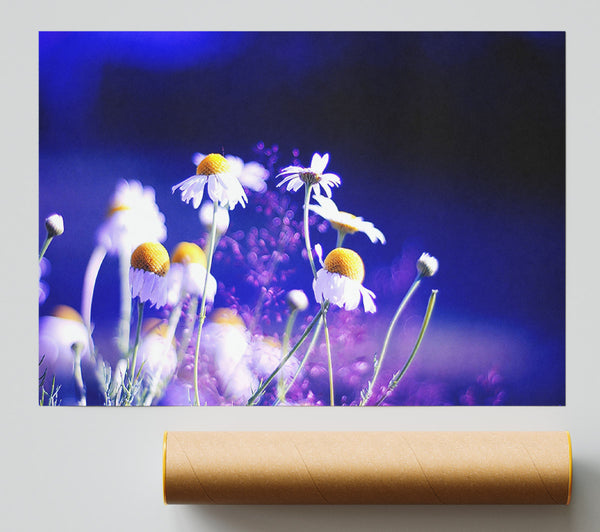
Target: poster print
302, 218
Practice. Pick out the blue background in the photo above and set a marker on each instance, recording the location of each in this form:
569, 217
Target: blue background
453, 143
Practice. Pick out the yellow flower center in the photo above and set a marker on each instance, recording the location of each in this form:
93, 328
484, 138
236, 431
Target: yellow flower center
155, 326
188, 253
345, 262
151, 257
342, 227
116, 207
213, 164
226, 316
271, 341
66, 313
310, 177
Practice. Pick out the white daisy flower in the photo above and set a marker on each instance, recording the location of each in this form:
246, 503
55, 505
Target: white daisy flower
340, 280
223, 186
427, 265
296, 176
226, 341
157, 357
266, 356
149, 266
251, 175
187, 274
58, 332
133, 218
221, 219
344, 222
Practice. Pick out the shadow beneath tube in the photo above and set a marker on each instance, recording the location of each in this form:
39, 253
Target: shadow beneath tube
583, 514
490, 518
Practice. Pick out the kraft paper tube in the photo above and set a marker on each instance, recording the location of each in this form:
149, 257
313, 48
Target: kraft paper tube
367, 467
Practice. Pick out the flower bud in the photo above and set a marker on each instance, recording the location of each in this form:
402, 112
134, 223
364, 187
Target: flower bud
55, 225
427, 265
297, 300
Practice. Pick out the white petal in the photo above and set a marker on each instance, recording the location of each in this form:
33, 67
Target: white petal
289, 170
319, 163
368, 298
183, 184
332, 178
147, 286
197, 197
319, 252
318, 286
197, 158
298, 184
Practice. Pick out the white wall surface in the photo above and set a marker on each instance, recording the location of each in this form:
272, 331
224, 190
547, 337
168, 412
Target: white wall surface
99, 469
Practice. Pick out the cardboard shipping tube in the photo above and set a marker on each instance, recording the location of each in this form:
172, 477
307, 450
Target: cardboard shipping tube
367, 467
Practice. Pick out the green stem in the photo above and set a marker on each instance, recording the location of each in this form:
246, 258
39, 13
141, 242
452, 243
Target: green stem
386, 342
202, 317
329, 362
396, 378
306, 230
77, 375
87, 292
285, 347
311, 346
340, 239
45, 246
125, 315
136, 346
264, 385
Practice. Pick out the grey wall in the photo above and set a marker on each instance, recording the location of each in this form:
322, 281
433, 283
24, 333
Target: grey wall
100, 469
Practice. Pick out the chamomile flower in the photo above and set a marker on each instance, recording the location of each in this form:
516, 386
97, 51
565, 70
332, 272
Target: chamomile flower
251, 175
344, 222
297, 176
340, 280
266, 355
58, 333
149, 266
157, 358
188, 272
133, 217
215, 172
226, 340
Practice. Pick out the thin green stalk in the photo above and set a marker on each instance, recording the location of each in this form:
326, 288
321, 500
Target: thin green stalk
125, 314
45, 246
311, 346
397, 376
340, 239
329, 362
136, 346
386, 342
266, 383
77, 375
87, 293
172, 324
202, 317
306, 230
285, 347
